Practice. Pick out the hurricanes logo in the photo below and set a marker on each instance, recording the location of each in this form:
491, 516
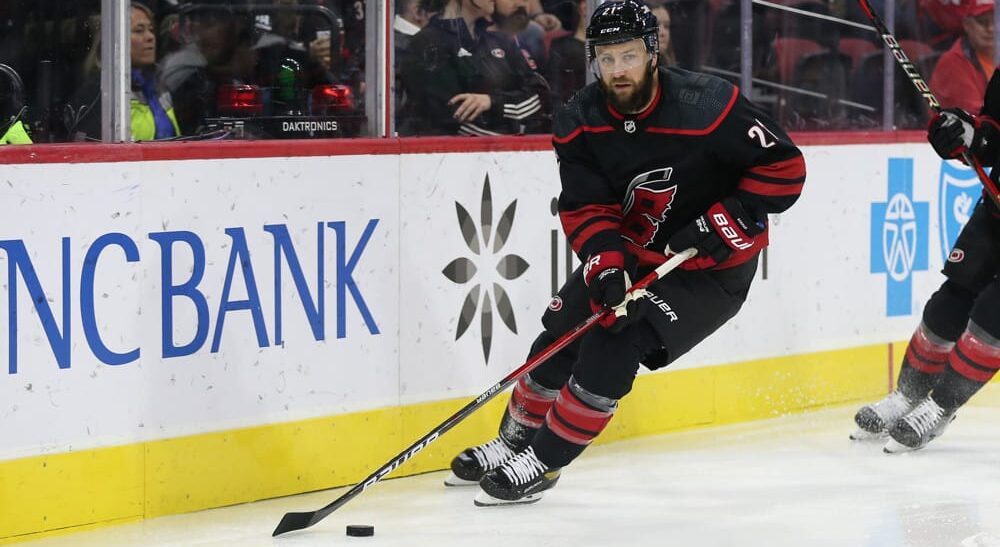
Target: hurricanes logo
648, 198
463, 270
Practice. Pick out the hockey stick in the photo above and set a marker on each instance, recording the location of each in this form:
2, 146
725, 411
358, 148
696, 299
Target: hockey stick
925, 91
297, 521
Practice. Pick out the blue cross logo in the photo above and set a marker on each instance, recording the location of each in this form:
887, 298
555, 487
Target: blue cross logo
899, 243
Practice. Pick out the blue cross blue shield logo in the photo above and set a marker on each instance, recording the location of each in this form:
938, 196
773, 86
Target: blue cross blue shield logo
899, 242
960, 190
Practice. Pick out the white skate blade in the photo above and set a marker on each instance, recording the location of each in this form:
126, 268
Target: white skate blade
862, 435
485, 500
453, 480
894, 447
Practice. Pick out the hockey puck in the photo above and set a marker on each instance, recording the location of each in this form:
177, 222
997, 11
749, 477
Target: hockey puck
360, 530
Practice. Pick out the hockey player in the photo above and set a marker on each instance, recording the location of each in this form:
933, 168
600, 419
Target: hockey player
955, 350
648, 157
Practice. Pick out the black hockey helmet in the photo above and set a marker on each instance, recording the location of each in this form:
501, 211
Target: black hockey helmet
621, 21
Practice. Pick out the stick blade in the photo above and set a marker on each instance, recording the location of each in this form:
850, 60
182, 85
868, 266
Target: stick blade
295, 521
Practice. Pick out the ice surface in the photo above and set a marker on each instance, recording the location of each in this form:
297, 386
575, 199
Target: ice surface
790, 481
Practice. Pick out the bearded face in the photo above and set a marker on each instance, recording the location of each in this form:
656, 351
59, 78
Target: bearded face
626, 75
511, 16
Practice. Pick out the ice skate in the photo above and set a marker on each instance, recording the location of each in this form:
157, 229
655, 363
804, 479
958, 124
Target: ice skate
471, 464
875, 420
520, 480
920, 426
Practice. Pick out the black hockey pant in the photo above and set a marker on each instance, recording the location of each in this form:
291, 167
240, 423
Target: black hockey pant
963, 320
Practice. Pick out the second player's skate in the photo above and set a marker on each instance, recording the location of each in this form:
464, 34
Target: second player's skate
920, 426
875, 420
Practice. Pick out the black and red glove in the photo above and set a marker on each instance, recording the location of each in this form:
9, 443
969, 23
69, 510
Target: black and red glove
608, 278
724, 228
952, 131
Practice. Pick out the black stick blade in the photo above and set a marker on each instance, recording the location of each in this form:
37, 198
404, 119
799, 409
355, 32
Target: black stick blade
295, 521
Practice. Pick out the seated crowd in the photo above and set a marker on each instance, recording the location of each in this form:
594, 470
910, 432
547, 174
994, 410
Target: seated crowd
230, 69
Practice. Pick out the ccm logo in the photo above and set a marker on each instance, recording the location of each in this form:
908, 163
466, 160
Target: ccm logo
730, 233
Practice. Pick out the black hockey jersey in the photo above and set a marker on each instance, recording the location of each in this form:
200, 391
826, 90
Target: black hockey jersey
633, 181
444, 60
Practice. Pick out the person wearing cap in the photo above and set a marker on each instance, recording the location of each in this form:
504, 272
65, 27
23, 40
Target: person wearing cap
960, 77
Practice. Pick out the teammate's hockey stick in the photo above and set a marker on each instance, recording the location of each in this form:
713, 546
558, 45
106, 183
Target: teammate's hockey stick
925, 91
297, 521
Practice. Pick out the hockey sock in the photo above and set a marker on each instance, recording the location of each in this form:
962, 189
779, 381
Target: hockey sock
923, 364
526, 409
576, 418
973, 362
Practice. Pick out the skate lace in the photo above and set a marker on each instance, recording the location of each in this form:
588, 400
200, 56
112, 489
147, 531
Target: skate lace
493, 453
925, 417
523, 467
893, 406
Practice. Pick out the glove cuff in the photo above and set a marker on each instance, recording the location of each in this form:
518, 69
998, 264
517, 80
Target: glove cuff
599, 262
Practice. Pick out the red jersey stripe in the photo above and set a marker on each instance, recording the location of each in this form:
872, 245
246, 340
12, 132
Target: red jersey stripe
705, 131
583, 128
793, 169
769, 188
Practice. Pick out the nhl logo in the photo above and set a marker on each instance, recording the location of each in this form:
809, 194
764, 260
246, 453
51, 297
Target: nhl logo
630, 126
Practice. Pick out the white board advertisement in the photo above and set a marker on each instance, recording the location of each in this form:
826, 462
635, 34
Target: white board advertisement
140, 298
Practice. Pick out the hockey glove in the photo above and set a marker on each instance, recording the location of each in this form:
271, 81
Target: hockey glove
953, 131
724, 228
607, 277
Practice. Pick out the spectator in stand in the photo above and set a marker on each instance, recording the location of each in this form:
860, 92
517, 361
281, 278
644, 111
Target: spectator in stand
305, 31
511, 18
151, 109
410, 18
228, 48
941, 20
960, 77
460, 79
567, 67
540, 14
667, 56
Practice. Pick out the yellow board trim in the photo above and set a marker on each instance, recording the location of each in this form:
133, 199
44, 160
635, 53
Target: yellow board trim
69, 492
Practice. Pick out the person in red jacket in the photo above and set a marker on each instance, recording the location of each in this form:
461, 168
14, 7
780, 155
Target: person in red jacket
959, 79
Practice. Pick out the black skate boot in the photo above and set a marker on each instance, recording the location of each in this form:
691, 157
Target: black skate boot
920, 426
472, 463
521, 479
875, 420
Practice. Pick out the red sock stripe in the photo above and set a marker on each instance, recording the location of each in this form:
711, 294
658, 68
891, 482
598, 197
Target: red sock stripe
923, 364
574, 421
924, 355
528, 407
975, 359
